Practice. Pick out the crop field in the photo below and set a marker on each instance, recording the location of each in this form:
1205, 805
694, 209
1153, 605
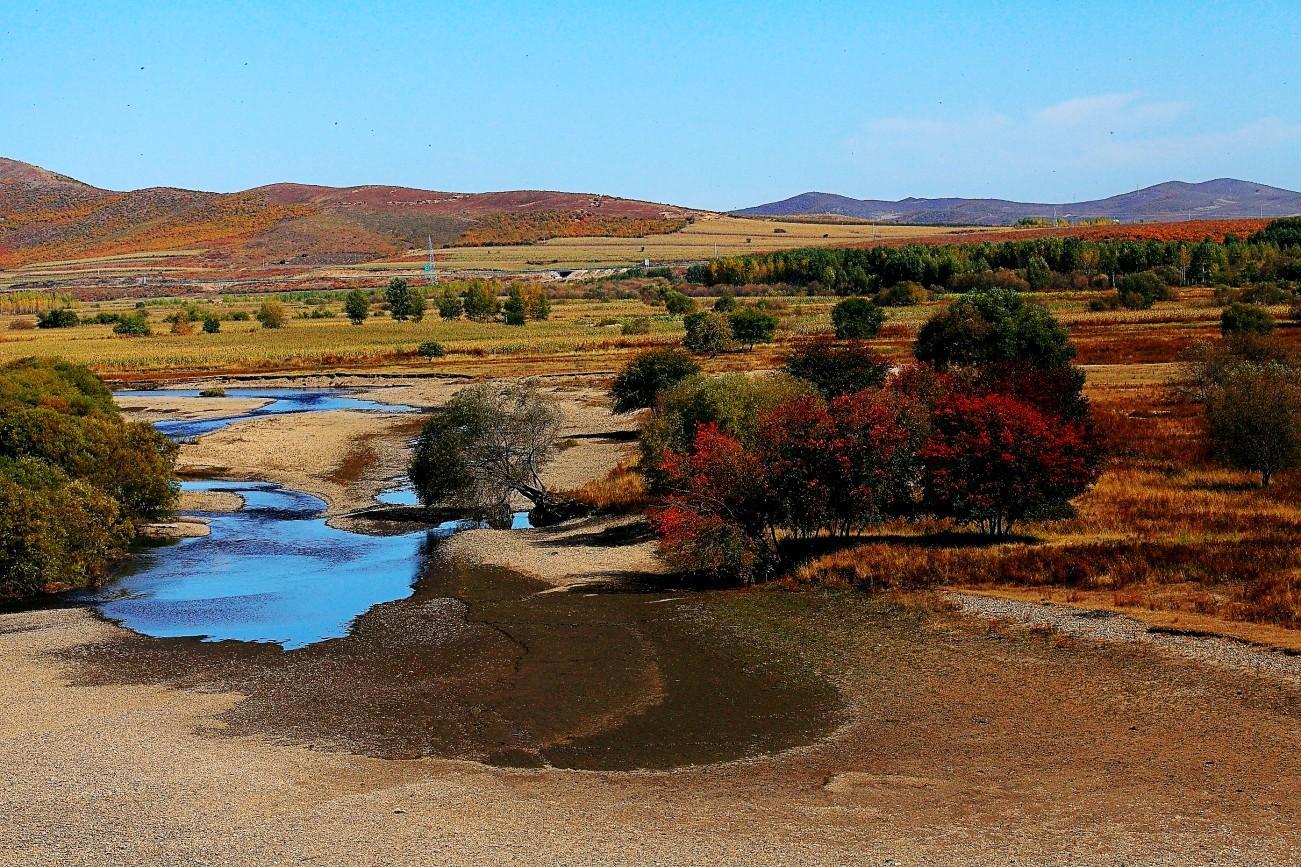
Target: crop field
732, 235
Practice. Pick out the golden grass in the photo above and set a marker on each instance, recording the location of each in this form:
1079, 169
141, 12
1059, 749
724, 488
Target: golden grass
732, 235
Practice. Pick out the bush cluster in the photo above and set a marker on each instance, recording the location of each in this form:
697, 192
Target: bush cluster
75, 479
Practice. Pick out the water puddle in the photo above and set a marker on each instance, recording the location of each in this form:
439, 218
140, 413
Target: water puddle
283, 401
383, 646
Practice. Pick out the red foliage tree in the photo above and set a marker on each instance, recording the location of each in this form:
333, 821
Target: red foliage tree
994, 461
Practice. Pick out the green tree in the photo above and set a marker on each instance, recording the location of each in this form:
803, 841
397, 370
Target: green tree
449, 304
750, 326
993, 325
651, 372
1253, 418
857, 319
487, 444
678, 304
1038, 274
707, 333
398, 296
272, 314
725, 303
416, 304
514, 309
356, 306
211, 324
480, 301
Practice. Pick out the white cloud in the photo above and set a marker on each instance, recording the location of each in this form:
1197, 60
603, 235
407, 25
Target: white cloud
1060, 149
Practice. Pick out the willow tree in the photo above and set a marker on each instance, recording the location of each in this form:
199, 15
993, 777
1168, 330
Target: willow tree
488, 444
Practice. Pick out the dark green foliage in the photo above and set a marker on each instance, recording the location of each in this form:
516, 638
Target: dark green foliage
514, 309
1285, 233
725, 303
431, 349
1038, 274
133, 325
1140, 291
211, 324
1240, 318
449, 304
993, 325
480, 301
707, 333
857, 319
356, 306
398, 297
416, 304
60, 317
636, 325
750, 325
836, 367
678, 304
642, 380
75, 480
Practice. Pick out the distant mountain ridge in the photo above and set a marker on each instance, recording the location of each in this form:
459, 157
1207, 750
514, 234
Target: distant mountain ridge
46, 216
1222, 198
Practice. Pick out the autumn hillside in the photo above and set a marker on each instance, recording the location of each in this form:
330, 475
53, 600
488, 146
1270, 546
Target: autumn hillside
47, 217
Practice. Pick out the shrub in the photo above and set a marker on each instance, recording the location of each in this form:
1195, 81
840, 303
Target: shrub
1294, 311
837, 367
750, 326
1263, 293
59, 317
211, 324
993, 325
75, 480
678, 304
636, 325
905, 294
272, 314
642, 380
240, 316
1239, 318
213, 392
725, 303
431, 349
1037, 274
1223, 295
133, 325
707, 333
857, 319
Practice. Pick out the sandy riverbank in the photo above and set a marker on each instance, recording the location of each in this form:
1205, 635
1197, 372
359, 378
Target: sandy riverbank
963, 742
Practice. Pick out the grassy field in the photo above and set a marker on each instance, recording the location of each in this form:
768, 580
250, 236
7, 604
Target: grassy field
732, 235
1164, 530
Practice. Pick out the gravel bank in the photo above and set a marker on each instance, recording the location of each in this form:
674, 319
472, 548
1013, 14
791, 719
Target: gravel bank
1107, 626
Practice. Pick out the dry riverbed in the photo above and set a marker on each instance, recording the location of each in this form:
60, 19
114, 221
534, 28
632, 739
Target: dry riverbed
1007, 736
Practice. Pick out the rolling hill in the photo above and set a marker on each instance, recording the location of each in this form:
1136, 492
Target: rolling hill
1223, 198
48, 217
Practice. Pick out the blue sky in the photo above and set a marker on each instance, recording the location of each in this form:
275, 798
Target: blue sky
716, 105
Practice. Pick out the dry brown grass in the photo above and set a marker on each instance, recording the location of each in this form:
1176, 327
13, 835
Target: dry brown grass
1162, 530
620, 491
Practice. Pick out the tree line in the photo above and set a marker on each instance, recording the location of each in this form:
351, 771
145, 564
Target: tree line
1273, 254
